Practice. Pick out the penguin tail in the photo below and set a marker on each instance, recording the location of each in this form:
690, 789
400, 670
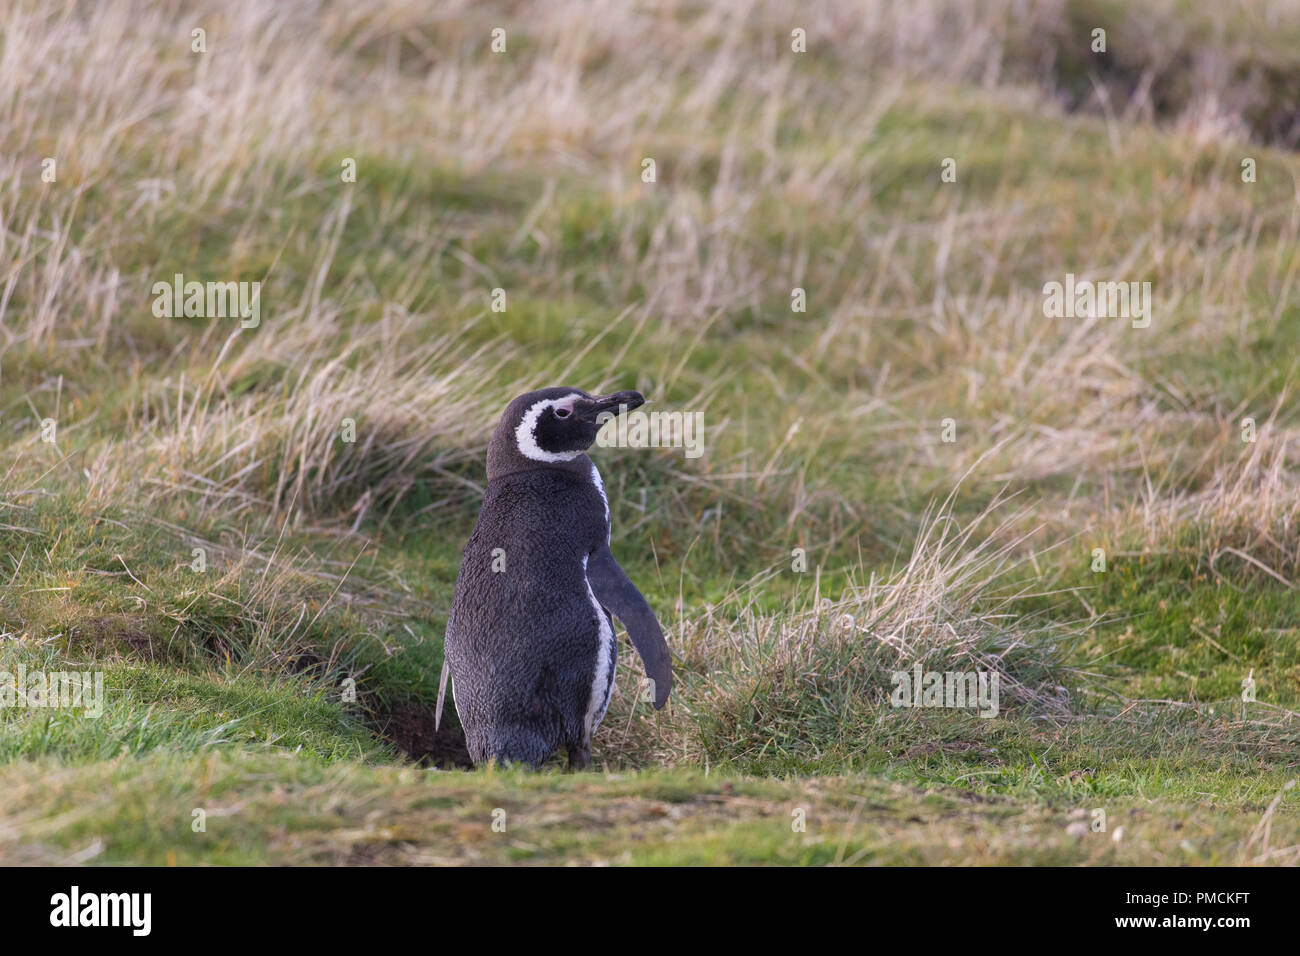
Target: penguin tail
442, 693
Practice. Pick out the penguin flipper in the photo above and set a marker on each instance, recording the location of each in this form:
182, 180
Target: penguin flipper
616, 591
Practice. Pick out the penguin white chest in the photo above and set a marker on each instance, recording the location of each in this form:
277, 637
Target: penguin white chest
602, 683
604, 499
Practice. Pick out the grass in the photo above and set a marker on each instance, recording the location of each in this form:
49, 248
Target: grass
247, 808
265, 598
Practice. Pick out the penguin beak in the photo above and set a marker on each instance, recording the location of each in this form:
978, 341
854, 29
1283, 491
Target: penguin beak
616, 403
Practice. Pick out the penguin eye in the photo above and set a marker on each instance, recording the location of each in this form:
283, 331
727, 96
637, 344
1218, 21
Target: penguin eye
563, 412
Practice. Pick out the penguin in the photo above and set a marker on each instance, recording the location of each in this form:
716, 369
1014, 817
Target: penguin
530, 645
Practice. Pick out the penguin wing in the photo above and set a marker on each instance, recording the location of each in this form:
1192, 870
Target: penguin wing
616, 591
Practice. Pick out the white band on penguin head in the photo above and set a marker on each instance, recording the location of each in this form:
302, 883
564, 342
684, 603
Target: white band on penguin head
526, 434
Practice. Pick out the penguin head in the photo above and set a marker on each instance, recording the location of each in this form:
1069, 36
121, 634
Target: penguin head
552, 426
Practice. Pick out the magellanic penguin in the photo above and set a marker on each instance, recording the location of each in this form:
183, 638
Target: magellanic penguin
530, 644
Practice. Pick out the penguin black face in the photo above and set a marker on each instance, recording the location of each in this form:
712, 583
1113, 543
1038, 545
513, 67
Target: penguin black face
554, 425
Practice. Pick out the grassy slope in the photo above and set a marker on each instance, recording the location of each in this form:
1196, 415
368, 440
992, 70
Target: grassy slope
224, 686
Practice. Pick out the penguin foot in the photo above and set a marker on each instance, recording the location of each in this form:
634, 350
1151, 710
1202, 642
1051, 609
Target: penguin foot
579, 757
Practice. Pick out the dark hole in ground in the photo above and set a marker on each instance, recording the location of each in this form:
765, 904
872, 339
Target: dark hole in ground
408, 725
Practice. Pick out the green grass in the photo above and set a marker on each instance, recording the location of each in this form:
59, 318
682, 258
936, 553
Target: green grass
147, 708
250, 808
